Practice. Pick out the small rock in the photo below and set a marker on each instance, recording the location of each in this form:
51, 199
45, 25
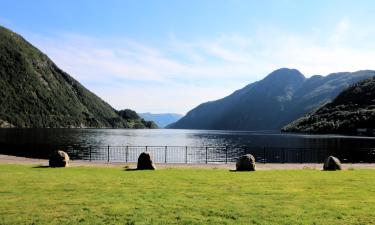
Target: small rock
332, 163
59, 158
246, 163
145, 162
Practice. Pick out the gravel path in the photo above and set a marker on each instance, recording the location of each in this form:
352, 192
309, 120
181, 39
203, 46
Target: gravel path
6, 159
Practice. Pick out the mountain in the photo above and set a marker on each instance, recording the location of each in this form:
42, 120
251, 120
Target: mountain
352, 109
34, 92
135, 120
269, 104
161, 119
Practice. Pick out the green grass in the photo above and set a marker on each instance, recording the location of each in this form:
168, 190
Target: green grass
185, 196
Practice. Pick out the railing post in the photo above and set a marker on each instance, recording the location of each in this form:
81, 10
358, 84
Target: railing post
165, 154
264, 154
146, 148
301, 153
126, 154
108, 154
283, 152
226, 154
186, 159
90, 153
34, 152
206, 154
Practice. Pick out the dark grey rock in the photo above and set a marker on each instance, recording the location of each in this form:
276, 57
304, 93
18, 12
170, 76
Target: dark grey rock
59, 159
246, 163
145, 162
332, 163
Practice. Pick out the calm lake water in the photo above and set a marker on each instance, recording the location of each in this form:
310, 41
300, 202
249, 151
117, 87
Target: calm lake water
22, 141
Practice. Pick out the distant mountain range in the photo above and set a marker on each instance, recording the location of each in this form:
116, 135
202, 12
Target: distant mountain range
271, 103
161, 119
34, 92
351, 112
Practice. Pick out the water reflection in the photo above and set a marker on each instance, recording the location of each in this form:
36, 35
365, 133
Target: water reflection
24, 141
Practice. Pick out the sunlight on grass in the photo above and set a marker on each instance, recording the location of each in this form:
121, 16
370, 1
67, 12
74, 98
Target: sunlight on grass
185, 196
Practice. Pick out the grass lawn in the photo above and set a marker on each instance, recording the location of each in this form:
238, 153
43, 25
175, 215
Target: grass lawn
185, 196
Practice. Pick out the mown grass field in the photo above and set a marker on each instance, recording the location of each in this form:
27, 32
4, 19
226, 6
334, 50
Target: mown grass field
184, 196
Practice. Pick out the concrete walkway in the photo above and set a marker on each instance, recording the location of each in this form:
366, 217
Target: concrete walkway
7, 159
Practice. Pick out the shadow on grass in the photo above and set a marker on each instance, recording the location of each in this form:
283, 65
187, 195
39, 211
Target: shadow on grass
45, 167
40, 166
135, 169
130, 169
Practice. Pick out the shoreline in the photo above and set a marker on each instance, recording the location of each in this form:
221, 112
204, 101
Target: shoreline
9, 159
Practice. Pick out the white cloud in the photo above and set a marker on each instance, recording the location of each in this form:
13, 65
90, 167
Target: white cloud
179, 98
340, 32
185, 73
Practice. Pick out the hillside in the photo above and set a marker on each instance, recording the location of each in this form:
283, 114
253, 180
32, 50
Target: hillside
271, 103
351, 111
34, 92
135, 120
161, 119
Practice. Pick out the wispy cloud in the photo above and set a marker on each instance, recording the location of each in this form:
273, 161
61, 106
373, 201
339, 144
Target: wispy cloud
181, 73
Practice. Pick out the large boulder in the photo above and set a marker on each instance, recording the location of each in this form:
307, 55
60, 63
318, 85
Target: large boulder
332, 163
59, 159
145, 162
246, 163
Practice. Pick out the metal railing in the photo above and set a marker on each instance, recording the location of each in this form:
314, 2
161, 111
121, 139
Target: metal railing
219, 154
194, 154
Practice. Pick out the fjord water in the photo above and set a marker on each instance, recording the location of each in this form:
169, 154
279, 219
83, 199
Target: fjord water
22, 141
174, 137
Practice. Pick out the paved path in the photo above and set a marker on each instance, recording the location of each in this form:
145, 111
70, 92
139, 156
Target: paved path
6, 159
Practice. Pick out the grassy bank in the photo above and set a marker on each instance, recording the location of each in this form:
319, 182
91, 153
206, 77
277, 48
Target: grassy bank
185, 196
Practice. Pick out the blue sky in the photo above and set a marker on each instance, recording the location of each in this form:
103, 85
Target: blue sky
170, 56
